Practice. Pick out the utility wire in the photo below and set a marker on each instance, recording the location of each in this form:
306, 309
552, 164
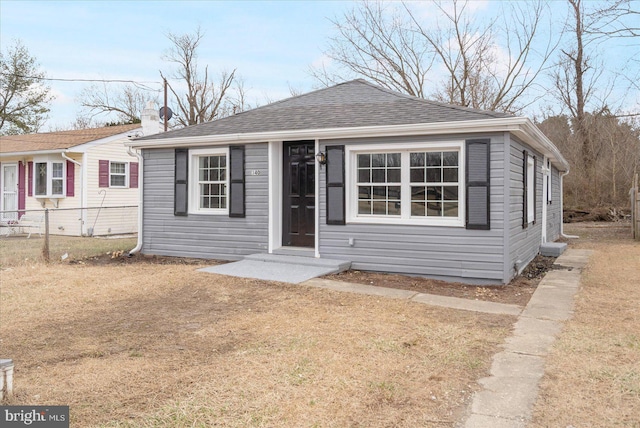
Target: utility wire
139, 84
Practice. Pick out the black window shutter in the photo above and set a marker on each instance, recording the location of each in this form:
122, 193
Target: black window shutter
236, 182
335, 185
525, 189
535, 187
477, 177
181, 187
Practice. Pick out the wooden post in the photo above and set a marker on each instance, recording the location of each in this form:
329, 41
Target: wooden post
45, 246
636, 208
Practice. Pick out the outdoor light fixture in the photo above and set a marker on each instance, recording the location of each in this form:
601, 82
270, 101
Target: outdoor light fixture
321, 157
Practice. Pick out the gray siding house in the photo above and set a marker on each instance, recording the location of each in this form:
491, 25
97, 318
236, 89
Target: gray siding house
356, 172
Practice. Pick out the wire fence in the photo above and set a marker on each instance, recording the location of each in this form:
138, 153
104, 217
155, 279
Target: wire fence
65, 229
635, 208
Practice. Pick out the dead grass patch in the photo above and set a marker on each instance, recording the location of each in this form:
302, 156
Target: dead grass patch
593, 373
158, 345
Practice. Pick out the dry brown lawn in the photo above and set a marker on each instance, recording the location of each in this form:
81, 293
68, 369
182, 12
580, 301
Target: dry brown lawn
593, 373
160, 345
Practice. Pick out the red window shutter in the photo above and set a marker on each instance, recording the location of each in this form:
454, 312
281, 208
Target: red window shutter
30, 181
103, 173
70, 178
21, 189
133, 175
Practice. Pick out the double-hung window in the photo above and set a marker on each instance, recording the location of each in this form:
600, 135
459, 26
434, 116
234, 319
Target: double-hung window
410, 184
48, 178
209, 181
118, 176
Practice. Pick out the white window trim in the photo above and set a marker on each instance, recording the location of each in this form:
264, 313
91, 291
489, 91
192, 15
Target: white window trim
126, 175
194, 189
531, 177
49, 161
351, 193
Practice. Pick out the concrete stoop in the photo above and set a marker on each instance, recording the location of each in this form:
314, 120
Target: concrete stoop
510, 391
293, 269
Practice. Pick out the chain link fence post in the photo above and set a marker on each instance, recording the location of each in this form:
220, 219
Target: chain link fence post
45, 246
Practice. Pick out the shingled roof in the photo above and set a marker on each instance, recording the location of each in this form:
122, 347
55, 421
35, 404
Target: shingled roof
61, 140
356, 103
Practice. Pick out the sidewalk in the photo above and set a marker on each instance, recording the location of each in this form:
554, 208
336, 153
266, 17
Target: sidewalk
512, 388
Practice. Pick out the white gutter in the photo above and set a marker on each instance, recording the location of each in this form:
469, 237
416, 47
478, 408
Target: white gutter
138, 155
521, 127
562, 209
83, 214
37, 152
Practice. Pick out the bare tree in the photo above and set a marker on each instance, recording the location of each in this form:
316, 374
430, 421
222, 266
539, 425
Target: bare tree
379, 43
396, 49
24, 101
127, 101
579, 77
199, 98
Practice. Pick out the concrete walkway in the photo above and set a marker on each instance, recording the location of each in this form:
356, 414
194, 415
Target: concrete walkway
512, 388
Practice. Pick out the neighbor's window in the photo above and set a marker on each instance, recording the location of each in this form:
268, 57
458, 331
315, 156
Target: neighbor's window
417, 184
118, 174
48, 179
209, 181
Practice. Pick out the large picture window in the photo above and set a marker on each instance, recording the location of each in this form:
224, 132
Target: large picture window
411, 184
209, 181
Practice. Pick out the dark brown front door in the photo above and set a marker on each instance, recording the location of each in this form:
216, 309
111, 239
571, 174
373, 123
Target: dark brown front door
298, 194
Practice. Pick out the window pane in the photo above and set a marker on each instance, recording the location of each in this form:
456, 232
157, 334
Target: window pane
364, 192
378, 160
434, 193
417, 175
204, 162
56, 187
394, 192
393, 208
116, 168
450, 158
416, 159
393, 159
434, 209
41, 178
450, 193
378, 176
379, 208
223, 161
418, 209
433, 159
434, 175
450, 175
380, 192
364, 161
117, 180
418, 193
56, 170
450, 209
393, 175
364, 175
364, 207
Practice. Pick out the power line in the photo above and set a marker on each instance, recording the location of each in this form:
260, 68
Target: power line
58, 79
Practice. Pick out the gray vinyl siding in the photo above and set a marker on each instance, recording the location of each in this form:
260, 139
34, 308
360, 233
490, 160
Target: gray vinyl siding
554, 214
524, 243
449, 253
203, 236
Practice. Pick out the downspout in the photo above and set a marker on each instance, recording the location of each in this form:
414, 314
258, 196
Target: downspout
138, 246
562, 208
82, 207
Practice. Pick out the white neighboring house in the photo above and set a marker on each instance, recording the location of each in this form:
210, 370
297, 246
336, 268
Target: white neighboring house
76, 174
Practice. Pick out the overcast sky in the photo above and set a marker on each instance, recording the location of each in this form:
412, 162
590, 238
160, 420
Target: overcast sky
272, 44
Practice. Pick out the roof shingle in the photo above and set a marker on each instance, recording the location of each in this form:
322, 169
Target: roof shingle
351, 104
59, 140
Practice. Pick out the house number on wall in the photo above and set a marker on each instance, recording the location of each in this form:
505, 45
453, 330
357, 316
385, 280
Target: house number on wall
255, 172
